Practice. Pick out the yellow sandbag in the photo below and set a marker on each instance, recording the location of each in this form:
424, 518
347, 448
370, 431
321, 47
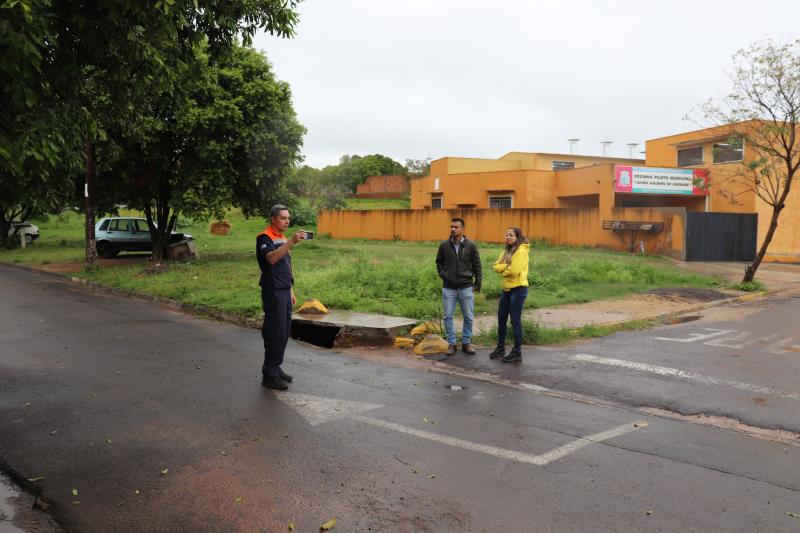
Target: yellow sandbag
427, 327
312, 307
403, 342
431, 344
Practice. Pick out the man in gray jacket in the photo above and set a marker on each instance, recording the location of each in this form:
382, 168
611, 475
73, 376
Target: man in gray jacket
459, 266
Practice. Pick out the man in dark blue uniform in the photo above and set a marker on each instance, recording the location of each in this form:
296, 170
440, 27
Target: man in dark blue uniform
277, 296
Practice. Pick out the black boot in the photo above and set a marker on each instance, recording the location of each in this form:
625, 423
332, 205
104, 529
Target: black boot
274, 382
498, 352
513, 356
284, 376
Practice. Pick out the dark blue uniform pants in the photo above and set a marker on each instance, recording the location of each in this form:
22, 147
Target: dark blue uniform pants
277, 305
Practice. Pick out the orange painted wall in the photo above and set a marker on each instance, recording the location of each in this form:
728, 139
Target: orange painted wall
558, 226
729, 194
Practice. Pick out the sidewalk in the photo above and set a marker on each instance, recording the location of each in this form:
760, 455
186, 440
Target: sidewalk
660, 303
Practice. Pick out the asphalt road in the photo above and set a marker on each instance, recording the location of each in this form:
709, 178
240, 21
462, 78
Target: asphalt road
137, 418
740, 362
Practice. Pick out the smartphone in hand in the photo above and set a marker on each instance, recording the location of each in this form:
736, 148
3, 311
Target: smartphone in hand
309, 235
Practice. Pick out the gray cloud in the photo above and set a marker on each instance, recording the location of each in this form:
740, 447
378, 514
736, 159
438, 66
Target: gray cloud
437, 78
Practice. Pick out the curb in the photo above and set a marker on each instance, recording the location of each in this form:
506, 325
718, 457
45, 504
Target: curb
168, 303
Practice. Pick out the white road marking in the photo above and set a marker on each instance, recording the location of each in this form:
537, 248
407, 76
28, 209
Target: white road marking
725, 342
783, 346
674, 372
319, 410
694, 337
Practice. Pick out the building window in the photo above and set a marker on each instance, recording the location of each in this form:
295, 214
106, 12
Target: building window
689, 157
436, 203
729, 152
563, 165
499, 202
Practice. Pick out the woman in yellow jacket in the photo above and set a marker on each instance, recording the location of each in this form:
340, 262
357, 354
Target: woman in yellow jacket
513, 266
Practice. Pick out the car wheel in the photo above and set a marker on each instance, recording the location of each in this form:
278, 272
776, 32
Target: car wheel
28, 238
105, 250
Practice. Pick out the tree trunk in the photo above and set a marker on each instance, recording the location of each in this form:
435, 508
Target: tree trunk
89, 198
750, 271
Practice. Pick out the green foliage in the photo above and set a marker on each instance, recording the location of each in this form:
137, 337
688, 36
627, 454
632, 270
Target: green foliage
353, 170
750, 286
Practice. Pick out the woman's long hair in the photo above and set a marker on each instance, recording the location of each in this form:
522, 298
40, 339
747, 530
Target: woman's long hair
511, 248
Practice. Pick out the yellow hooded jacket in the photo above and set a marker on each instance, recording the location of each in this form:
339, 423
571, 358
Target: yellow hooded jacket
515, 274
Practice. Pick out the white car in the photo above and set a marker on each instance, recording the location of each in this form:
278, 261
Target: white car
126, 234
30, 231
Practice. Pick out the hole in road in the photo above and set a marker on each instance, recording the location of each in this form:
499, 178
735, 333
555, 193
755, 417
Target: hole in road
320, 335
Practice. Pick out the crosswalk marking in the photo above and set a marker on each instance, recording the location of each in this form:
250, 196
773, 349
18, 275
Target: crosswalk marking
674, 372
736, 340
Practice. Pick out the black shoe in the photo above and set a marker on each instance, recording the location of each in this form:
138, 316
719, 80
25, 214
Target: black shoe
274, 382
513, 356
284, 376
498, 352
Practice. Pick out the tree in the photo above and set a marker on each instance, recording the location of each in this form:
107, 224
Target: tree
353, 170
416, 168
37, 148
762, 112
118, 54
317, 188
229, 136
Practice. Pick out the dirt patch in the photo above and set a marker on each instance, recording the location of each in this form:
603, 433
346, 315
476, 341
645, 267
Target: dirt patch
689, 294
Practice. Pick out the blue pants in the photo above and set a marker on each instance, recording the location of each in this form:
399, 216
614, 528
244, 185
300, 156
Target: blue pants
511, 303
277, 305
466, 300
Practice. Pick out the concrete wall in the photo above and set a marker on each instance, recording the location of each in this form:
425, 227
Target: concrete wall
558, 226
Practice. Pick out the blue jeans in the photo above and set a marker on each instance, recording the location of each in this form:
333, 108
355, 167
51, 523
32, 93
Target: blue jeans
511, 303
466, 300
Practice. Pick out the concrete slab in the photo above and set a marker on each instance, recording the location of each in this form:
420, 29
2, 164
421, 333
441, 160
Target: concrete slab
346, 327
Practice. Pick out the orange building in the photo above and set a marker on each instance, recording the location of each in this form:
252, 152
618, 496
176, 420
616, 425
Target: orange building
683, 199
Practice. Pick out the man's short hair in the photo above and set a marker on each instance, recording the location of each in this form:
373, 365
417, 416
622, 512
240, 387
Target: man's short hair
459, 220
276, 209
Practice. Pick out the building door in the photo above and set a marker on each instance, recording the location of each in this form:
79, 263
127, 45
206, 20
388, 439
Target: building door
721, 236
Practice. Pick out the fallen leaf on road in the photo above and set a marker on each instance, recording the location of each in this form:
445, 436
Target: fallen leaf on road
238, 499
640, 424
425, 419
648, 513
76, 503
256, 439
432, 476
414, 471
223, 453
291, 526
28, 404
108, 441
38, 478
74, 492
793, 515
164, 472
327, 526
136, 491
54, 432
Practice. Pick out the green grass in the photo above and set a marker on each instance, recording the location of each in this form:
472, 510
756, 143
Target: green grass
533, 333
390, 277
378, 203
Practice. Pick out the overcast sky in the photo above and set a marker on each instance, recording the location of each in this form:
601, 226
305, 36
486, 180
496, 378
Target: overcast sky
437, 78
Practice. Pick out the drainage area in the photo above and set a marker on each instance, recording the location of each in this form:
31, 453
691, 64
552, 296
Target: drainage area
347, 328
322, 335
